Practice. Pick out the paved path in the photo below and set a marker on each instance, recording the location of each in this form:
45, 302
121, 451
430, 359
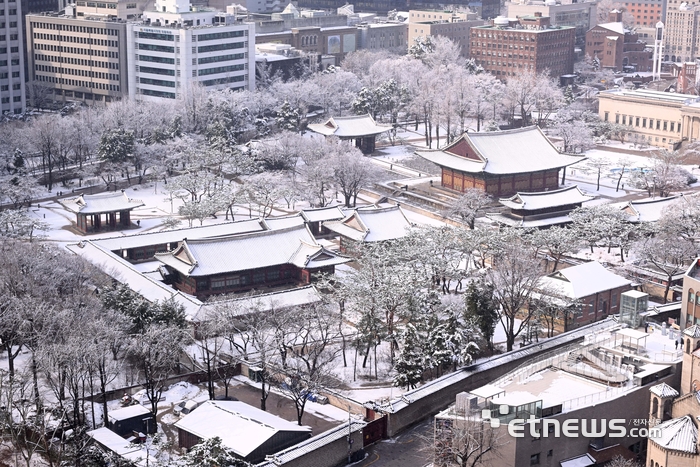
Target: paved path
409, 449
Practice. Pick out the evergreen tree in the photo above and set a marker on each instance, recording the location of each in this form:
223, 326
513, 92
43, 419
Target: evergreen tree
116, 145
482, 309
409, 365
210, 453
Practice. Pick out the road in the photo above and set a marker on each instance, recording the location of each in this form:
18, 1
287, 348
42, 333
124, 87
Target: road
409, 449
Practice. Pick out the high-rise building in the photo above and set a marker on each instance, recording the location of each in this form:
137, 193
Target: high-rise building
681, 35
510, 46
12, 90
77, 58
176, 45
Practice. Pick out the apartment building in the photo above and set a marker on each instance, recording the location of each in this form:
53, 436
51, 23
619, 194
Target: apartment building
581, 16
78, 59
12, 91
530, 43
454, 25
176, 45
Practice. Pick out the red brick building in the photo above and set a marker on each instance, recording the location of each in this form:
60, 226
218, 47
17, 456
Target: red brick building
510, 46
616, 47
501, 163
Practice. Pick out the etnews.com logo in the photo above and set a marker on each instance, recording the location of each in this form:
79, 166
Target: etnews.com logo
572, 428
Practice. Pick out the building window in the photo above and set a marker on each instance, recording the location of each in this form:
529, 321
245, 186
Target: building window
607, 115
535, 459
644, 123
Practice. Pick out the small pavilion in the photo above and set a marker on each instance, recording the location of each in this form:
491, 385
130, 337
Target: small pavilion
361, 128
103, 211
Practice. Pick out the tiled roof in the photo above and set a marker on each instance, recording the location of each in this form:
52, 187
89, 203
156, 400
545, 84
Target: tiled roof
678, 434
329, 213
502, 152
692, 331
205, 257
663, 390
583, 280
348, 127
100, 203
372, 224
546, 199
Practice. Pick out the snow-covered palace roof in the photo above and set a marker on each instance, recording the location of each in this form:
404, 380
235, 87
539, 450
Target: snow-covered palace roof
546, 199
356, 126
582, 280
293, 245
649, 210
372, 224
522, 150
101, 203
241, 427
329, 213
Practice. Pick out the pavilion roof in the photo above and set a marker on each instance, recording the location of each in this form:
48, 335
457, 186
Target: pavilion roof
546, 199
292, 245
648, 210
101, 203
372, 224
583, 280
663, 390
522, 150
329, 213
349, 127
678, 434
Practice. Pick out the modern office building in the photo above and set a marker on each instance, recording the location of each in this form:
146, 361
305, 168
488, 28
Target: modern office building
77, 58
177, 45
530, 43
12, 90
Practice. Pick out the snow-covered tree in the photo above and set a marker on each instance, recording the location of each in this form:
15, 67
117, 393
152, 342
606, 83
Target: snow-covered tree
481, 308
210, 452
469, 205
668, 255
557, 242
409, 363
665, 175
351, 172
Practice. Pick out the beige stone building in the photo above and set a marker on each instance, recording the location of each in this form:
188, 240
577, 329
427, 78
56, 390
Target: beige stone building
79, 59
581, 16
451, 24
656, 118
681, 34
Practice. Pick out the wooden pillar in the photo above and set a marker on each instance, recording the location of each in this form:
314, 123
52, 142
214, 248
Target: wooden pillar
126, 218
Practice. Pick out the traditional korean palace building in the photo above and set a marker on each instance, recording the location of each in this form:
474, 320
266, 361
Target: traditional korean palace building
541, 209
206, 266
370, 224
649, 210
360, 128
315, 218
501, 163
104, 211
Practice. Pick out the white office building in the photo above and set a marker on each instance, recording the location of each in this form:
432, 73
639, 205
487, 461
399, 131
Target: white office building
177, 45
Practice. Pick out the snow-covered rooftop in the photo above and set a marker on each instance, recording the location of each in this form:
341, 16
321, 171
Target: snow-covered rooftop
648, 210
584, 460
277, 223
663, 390
528, 223
100, 203
651, 95
546, 199
123, 242
372, 224
349, 127
113, 441
582, 280
329, 213
618, 28
678, 434
692, 331
241, 427
291, 245
522, 150
126, 413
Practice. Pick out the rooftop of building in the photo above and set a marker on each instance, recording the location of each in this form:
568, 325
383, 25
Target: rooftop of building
610, 363
651, 95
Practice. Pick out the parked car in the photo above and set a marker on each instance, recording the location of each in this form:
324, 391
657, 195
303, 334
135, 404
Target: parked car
185, 407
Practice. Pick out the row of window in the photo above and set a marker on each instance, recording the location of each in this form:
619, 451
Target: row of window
15, 87
76, 61
77, 82
76, 72
224, 46
4, 75
71, 28
151, 92
112, 6
219, 58
13, 37
14, 50
14, 62
662, 125
13, 24
221, 69
75, 39
157, 82
231, 282
6, 100
77, 50
149, 58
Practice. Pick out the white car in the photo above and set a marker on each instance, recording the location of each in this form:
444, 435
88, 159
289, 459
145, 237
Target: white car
185, 407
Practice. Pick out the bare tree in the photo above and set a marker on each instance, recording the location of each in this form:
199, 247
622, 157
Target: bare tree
463, 440
351, 172
665, 176
667, 255
468, 206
